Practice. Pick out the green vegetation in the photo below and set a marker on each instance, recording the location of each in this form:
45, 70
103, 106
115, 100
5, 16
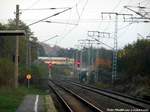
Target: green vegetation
102, 85
7, 55
133, 65
7, 67
11, 98
61, 70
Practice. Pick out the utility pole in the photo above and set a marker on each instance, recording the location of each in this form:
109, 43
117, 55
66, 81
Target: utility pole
97, 66
114, 68
81, 60
17, 48
89, 43
27, 51
96, 35
30, 57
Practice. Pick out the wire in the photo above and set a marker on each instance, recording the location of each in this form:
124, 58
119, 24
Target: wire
77, 11
125, 26
66, 34
123, 33
112, 11
50, 38
49, 17
52, 8
60, 22
83, 8
34, 3
102, 43
79, 17
116, 5
143, 1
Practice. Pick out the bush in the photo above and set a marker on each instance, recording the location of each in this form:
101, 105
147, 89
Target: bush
39, 74
38, 71
6, 72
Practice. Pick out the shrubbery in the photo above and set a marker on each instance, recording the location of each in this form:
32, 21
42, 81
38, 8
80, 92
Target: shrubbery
6, 72
38, 71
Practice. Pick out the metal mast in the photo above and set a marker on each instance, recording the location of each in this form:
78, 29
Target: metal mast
114, 64
17, 48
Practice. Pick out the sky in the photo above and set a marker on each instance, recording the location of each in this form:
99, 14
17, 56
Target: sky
84, 16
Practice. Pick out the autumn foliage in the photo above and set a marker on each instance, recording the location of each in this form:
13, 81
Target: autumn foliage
104, 63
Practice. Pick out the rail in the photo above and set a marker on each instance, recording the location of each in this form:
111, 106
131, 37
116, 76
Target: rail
90, 105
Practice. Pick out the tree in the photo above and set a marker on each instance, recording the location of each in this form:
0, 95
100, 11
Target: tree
7, 46
133, 65
135, 59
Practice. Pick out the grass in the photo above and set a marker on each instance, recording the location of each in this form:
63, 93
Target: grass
11, 98
102, 85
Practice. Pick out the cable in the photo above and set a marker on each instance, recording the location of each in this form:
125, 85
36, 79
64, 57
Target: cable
79, 17
77, 11
34, 3
116, 5
102, 43
83, 8
123, 33
52, 8
48, 17
60, 22
50, 38
125, 26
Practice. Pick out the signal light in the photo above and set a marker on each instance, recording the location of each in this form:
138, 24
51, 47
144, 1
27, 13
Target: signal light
77, 63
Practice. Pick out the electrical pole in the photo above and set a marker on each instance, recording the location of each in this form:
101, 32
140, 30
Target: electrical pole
114, 67
30, 58
27, 51
81, 61
96, 35
17, 48
97, 66
89, 44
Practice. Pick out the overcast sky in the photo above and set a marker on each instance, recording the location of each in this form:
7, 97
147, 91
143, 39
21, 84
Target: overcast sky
85, 13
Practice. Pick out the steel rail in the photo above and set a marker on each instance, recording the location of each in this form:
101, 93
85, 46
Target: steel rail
139, 103
90, 105
114, 92
60, 98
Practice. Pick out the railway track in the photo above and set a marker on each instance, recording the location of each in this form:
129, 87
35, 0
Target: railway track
71, 101
121, 101
139, 103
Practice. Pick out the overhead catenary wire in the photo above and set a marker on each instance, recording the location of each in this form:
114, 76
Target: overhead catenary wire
116, 6
34, 3
125, 26
52, 8
60, 22
49, 17
79, 18
50, 38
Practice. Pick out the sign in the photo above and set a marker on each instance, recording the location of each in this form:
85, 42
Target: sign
28, 76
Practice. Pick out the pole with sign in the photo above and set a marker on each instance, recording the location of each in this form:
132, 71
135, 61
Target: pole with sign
28, 77
49, 68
